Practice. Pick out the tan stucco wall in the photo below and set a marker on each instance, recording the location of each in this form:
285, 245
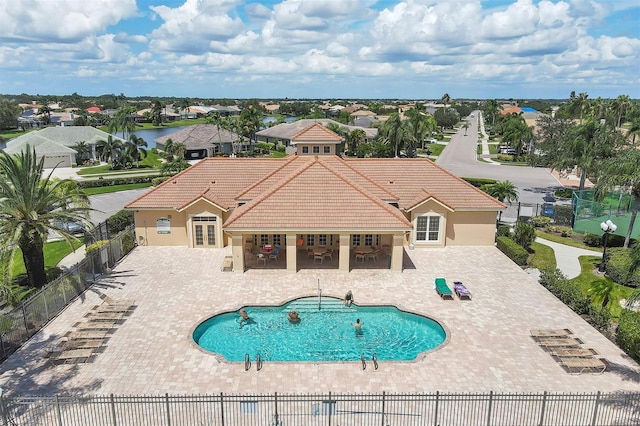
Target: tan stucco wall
181, 226
459, 228
471, 228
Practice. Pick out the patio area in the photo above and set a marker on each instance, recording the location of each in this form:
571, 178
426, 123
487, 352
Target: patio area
174, 288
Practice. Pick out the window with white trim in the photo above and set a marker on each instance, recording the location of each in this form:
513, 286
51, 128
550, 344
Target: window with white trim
305, 149
322, 240
264, 239
327, 150
277, 239
316, 150
428, 228
355, 240
311, 240
368, 240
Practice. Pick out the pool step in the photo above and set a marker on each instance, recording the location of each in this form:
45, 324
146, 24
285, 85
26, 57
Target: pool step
311, 304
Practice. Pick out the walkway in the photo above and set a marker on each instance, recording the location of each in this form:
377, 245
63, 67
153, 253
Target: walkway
567, 257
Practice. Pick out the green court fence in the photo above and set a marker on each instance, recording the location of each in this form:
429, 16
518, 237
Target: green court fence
383, 409
588, 213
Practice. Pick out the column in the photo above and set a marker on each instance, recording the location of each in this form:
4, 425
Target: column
292, 253
237, 250
397, 252
345, 252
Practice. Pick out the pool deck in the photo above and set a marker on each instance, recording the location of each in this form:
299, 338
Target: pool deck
151, 352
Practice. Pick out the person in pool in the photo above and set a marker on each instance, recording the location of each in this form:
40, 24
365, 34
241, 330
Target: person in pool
348, 298
243, 314
358, 326
294, 318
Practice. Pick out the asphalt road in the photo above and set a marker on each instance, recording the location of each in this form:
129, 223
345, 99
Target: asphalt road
106, 205
459, 157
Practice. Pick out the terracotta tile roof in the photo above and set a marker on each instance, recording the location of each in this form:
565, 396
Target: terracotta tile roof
316, 133
316, 191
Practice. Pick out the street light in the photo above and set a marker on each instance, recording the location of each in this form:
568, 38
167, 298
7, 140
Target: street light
607, 227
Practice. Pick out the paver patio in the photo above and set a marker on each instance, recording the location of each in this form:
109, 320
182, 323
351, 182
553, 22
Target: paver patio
489, 345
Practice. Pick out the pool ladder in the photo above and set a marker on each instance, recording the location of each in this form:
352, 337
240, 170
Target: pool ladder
247, 362
374, 359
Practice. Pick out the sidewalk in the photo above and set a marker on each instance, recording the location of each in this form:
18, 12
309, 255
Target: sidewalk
567, 257
71, 259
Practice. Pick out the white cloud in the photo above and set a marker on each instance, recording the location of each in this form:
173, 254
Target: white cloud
62, 21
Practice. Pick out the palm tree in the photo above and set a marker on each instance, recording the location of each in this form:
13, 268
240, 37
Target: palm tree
393, 132
108, 149
156, 112
354, 139
503, 191
517, 134
580, 103
31, 204
82, 149
602, 291
419, 125
635, 264
124, 120
45, 110
621, 104
623, 171
446, 99
135, 148
491, 109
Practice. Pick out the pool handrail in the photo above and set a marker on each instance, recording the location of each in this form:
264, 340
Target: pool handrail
258, 362
247, 362
364, 361
374, 358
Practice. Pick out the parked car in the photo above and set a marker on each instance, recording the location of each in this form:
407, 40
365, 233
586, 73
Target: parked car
506, 150
70, 227
547, 210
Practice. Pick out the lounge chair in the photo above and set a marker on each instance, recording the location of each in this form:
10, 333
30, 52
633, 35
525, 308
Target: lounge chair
573, 352
117, 302
560, 342
583, 365
560, 332
72, 355
461, 290
443, 289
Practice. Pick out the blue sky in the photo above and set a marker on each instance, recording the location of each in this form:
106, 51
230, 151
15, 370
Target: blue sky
417, 49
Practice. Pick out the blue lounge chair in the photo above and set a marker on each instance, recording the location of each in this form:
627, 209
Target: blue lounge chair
443, 289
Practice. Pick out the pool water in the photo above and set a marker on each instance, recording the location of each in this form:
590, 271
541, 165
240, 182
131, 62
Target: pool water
321, 335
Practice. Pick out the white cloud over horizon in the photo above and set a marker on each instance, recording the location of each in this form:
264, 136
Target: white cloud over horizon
321, 48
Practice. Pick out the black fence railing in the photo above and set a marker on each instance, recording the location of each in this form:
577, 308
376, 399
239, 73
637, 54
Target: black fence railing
22, 322
385, 409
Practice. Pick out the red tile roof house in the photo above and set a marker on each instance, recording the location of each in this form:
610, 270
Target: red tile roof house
315, 198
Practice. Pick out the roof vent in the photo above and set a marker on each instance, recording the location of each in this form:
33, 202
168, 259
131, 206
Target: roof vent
212, 182
391, 182
175, 181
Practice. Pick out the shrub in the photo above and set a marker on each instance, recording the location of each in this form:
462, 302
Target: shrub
567, 291
563, 193
564, 231
540, 221
504, 231
157, 181
128, 242
600, 318
513, 251
524, 234
478, 182
96, 246
615, 240
592, 240
563, 215
119, 221
628, 336
98, 183
552, 280
618, 262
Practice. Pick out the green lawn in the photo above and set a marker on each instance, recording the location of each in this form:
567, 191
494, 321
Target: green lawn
116, 188
588, 265
54, 252
436, 149
149, 163
567, 241
544, 257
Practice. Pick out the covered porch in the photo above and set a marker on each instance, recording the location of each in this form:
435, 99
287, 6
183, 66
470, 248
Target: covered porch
342, 251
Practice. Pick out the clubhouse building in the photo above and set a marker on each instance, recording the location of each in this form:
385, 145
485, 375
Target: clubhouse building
314, 207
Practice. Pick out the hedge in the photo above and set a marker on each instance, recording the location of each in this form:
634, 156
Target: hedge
119, 221
99, 183
628, 335
617, 267
563, 215
478, 182
513, 251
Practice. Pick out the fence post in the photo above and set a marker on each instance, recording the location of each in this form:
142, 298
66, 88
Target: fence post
24, 317
113, 410
44, 302
330, 409
221, 409
58, 411
435, 416
542, 408
489, 408
3, 408
383, 408
595, 409
166, 404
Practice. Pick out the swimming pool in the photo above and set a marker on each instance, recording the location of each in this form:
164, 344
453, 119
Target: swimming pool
324, 334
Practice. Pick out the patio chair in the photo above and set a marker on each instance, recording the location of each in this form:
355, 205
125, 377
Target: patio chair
559, 342
461, 290
443, 289
372, 256
318, 257
262, 258
275, 253
360, 257
328, 254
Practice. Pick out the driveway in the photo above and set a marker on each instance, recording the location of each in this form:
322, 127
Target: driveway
151, 352
459, 157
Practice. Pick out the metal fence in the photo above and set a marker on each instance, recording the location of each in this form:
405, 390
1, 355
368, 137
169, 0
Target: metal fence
433, 409
559, 214
22, 322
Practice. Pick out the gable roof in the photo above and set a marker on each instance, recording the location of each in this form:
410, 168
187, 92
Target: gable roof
316, 133
304, 192
57, 140
285, 131
200, 136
